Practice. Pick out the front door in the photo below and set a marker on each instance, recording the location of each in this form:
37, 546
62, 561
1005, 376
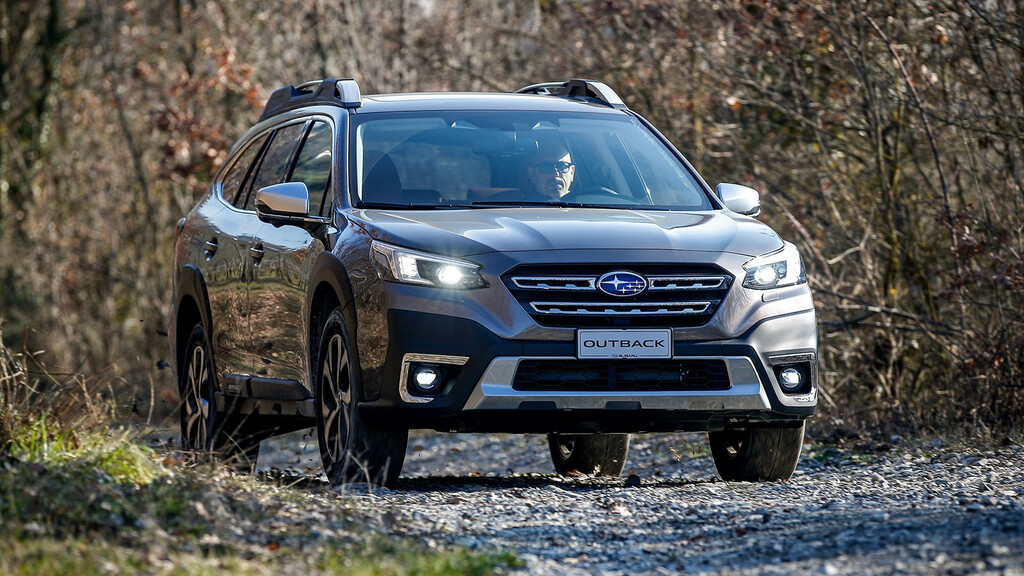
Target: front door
281, 283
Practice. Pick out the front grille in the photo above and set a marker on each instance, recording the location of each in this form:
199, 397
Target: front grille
621, 376
681, 295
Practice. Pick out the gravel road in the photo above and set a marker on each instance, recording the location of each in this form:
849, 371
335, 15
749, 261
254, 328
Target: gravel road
930, 509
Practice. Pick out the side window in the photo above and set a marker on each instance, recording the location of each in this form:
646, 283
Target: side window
274, 167
233, 180
313, 167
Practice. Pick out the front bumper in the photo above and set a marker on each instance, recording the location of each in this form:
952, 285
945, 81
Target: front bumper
480, 395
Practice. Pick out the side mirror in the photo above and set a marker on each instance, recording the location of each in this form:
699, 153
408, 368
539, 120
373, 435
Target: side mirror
286, 203
289, 199
740, 199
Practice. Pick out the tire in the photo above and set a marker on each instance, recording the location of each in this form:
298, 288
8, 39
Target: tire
757, 454
205, 432
198, 410
351, 449
589, 454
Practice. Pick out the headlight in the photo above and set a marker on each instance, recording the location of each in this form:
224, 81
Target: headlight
413, 267
781, 268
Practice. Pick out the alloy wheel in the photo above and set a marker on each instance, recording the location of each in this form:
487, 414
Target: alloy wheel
336, 397
195, 410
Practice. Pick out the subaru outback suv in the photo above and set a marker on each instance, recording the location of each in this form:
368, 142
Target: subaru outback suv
542, 261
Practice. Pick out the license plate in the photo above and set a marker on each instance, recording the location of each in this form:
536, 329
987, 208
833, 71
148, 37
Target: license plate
624, 343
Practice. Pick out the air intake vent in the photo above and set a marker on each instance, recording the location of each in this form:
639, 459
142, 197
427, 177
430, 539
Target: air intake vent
599, 376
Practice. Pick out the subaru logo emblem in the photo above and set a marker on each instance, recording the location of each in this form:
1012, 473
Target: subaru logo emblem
622, 283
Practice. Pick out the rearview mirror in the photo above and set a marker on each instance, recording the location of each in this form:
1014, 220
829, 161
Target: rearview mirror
740, 199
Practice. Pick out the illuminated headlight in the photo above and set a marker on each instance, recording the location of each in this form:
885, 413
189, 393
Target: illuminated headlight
449, 275
781, 268
414, 267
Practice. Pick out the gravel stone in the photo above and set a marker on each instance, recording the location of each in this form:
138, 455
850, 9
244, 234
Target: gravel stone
927, 511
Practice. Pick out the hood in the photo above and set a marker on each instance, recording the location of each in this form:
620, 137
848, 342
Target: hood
483, 230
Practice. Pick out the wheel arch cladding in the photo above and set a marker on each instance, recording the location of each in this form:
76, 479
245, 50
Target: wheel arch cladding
193, 308
330, 289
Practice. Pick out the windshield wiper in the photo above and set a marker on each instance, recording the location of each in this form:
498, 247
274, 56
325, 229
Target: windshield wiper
518, 203
563, 204
410, 206
381, 205
614, 206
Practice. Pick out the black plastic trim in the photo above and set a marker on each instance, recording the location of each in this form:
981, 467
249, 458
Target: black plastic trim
293, 97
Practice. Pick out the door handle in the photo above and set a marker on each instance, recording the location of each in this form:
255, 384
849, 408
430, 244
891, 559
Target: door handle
257, 254
210, 248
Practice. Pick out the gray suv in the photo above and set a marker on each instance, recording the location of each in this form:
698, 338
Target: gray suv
542, 261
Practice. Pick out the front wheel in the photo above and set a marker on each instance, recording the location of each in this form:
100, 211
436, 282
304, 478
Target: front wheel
351, 449
757, 453
591, 454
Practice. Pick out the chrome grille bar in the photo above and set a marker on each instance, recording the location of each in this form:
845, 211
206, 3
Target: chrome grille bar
686, 282
621, 309
566, 283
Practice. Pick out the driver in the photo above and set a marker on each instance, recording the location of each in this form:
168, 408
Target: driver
551, 170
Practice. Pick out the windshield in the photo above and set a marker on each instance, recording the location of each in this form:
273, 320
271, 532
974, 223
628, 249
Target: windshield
503, 158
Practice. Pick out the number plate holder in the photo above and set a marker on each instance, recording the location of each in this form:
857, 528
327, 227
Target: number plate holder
623, 343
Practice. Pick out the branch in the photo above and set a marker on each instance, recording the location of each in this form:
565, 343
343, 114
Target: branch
876, 309
938, 166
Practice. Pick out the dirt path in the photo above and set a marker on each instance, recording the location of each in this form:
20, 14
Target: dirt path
930, 510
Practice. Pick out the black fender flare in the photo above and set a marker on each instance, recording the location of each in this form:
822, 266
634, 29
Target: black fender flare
191, 284
328, 270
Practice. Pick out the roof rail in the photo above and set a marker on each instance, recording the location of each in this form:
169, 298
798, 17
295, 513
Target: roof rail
343, 92
577, 88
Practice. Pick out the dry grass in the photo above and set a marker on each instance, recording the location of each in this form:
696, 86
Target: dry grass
44, 404
80, 495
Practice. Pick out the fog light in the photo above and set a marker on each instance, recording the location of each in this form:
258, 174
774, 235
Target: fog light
791, 379
427, 378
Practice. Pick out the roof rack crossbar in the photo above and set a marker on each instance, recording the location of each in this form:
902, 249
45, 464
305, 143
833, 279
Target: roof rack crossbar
338, 92
577, 88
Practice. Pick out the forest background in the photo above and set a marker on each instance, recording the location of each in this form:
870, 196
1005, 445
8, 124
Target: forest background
885, 136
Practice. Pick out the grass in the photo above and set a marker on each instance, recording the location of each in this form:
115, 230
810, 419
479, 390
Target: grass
93, 504
49, 556
80, 496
